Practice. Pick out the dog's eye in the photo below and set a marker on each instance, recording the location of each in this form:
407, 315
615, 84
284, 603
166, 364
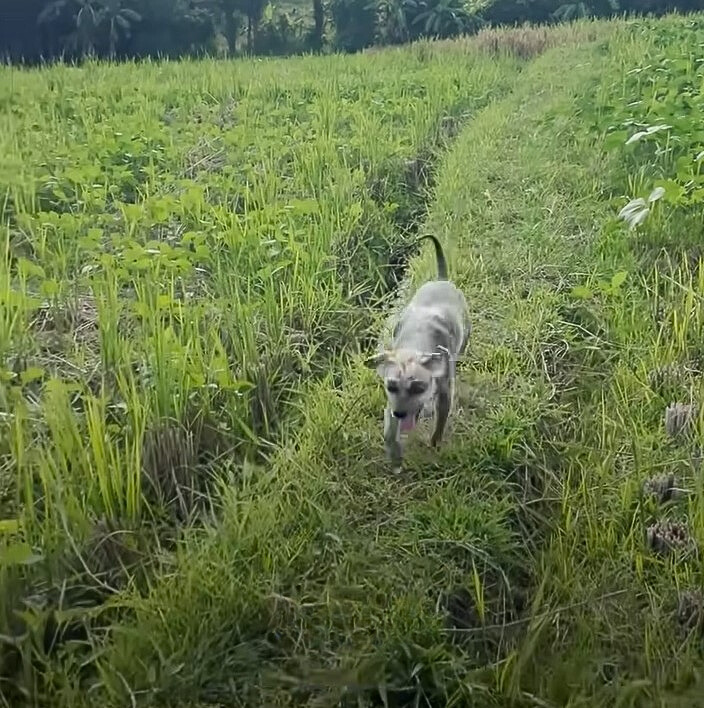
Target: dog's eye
392, 387
417, 387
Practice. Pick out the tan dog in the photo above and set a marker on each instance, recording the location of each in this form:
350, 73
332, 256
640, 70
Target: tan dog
432, 332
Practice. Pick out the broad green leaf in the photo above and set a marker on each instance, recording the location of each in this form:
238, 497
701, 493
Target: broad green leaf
672, 191
30, 269
619, 279
50, 288
18, 554
9, 525
31, 373
582, 292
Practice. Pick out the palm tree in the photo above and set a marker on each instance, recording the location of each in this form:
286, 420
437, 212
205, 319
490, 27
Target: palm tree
118, 19
83, 36
253, 11
318, 24
393, 19
443, 18
89, 18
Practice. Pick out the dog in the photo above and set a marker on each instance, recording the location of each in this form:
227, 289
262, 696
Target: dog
431, 333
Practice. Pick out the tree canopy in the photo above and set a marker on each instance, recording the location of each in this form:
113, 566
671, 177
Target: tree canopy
36, 30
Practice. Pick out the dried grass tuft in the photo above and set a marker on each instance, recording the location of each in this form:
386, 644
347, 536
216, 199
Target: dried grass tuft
679, 418
667, 537
690, 610
529, 41
169, 468
664, 488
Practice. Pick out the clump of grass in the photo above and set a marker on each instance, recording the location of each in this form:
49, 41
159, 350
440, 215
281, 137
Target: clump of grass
679, 418
664, 487
460, 610
690, 610
170, 470
668, 536
77, 317
111, 554
672, 374
208, 155
528, 41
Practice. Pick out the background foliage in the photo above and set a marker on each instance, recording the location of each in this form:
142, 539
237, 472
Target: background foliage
31, 30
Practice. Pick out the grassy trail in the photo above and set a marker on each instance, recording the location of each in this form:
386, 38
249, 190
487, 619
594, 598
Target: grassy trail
514, 566
337, 577
180, 243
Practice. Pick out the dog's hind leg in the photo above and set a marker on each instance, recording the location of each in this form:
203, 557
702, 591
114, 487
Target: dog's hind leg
443, 401
392, 439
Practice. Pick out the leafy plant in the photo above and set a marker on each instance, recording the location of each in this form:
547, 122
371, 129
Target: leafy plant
656, 130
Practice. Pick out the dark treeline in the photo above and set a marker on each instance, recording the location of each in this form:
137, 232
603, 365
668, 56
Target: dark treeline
36, 30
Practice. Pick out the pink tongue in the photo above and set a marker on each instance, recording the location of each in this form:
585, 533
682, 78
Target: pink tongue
408, 423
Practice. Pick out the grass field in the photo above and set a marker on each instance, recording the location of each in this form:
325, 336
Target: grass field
194, 505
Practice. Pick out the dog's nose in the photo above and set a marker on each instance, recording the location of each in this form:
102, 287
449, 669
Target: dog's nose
400, 414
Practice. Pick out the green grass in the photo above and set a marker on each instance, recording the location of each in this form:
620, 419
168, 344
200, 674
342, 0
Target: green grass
185, 257
192, 446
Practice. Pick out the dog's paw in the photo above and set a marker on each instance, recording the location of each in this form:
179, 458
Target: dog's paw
435, 441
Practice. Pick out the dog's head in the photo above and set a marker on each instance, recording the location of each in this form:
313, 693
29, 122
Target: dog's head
409, 380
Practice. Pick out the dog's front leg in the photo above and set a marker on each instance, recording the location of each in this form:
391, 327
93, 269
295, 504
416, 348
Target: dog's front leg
443, 401
392, 439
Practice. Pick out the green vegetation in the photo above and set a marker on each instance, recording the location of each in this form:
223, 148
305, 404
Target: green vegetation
35, 31
196, 507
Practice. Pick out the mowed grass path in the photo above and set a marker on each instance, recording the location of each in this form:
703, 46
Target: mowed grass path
510, 568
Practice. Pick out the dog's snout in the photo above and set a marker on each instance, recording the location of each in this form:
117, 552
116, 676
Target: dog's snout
400, 414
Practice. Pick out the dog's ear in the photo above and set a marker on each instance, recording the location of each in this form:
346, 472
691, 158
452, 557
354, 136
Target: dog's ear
377, 361
435, 363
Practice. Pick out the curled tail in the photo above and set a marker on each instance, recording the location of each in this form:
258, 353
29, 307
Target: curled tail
439, 255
